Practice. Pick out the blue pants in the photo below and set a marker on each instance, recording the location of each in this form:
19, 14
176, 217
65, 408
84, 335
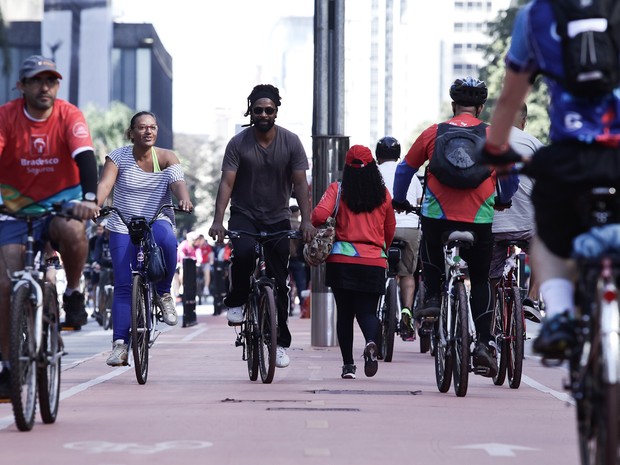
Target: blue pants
123, 259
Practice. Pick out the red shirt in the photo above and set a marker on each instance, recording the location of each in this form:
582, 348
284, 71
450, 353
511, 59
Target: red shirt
37, 157
369, 234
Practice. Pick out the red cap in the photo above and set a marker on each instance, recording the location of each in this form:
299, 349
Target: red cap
359, 156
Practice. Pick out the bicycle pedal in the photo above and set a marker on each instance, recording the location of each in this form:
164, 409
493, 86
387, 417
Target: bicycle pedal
230, 323
483, 371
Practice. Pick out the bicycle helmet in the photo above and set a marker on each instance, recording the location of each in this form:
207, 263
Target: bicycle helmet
388, 148
469, 92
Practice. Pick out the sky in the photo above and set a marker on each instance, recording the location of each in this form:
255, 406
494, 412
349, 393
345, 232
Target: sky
215, 46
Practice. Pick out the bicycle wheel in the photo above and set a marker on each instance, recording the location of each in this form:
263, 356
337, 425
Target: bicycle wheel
139, 328
106, 314
443, 350
424, 334
461, 339
516, 337
250, 330
48, 372
500, 335
597, 420
267, 334
388, 327
23, 358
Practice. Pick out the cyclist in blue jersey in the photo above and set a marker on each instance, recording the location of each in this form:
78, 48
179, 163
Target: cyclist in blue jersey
584, 153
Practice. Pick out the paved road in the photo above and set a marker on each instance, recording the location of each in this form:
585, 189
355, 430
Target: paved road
198, 407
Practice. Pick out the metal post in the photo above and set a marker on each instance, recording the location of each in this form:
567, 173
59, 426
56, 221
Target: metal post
189, 292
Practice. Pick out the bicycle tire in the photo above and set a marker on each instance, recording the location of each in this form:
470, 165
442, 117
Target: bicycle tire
390, 317
139, 328
500, 332
461, 339
23, 358
250, 330
443, 353
267, 334
516, 339
426, 340
48, 372
106, 316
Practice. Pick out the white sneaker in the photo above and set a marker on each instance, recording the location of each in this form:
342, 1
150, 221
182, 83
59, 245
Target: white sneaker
235, 315
282, 360
168, 309
118, 357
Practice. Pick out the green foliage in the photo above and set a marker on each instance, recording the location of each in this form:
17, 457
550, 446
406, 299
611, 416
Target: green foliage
108, 127
500, 32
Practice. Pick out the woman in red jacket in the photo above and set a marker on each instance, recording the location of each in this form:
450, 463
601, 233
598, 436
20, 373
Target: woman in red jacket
355, 270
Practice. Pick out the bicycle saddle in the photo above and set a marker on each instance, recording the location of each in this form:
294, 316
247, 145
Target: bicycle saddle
463, 237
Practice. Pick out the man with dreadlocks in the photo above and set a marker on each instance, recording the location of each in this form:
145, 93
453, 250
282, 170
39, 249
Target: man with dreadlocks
261, 167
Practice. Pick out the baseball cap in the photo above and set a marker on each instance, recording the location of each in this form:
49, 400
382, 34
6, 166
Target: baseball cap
36, 64
358, 156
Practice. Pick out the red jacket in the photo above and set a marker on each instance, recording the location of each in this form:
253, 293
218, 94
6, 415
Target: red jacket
361, 238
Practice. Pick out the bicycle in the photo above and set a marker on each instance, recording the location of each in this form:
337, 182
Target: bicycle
388, 307
594, 361
35, 344
146, 308
259, 329
508, 320
105, 293
455, 330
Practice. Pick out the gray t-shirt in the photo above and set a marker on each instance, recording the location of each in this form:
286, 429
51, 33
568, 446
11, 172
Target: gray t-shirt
519, 217
264, 182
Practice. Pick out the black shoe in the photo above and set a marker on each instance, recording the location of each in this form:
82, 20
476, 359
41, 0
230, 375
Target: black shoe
485, 363
348, 371
5, 385
75, 311
556, 337
531, 311
370, 359
430, 307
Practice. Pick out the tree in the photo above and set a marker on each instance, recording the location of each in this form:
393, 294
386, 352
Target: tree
108, 127
500, 31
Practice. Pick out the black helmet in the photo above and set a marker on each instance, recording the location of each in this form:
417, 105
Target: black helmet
469, 92
388, 148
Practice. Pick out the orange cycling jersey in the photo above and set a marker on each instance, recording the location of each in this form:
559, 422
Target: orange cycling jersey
37, 157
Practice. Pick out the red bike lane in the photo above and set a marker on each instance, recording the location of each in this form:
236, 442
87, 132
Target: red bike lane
198, 406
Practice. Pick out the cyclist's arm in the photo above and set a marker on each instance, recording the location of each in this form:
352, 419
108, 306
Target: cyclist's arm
224, 191
300, 184
107, 180
87, 165
180, 191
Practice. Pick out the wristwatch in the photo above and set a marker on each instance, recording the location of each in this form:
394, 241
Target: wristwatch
90, 197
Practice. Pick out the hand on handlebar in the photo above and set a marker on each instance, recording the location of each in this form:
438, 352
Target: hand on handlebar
501, 159
404, 206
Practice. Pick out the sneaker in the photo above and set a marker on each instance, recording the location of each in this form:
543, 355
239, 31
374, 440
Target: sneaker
282, 359
75, 310
370, 359
5, 385
118, 357
348, 371
168, 309
407, 333
485, 362
235, 315
556, 336
430, 307
531, 311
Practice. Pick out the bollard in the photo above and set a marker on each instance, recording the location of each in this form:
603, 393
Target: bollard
189, 292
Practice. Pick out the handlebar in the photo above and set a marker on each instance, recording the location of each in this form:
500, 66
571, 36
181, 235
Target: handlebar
263, 236
62, 209
108, 209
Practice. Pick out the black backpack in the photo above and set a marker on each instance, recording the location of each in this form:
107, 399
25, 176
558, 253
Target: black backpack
590, 45
453, 161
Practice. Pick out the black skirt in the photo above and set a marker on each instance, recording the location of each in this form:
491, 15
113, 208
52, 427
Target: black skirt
362, 278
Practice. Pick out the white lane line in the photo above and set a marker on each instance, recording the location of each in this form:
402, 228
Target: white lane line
8, 420
564, 397
193, 335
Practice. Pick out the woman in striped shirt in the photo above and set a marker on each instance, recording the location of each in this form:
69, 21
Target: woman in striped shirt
144, 177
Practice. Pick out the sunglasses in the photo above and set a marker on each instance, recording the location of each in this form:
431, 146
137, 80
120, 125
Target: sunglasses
267, 110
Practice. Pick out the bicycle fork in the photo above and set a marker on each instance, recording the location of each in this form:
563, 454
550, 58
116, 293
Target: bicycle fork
36, 297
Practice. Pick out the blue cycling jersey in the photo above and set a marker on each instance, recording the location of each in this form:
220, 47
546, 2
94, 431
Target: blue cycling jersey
536, 48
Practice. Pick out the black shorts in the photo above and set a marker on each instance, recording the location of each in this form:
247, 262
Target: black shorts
565, 173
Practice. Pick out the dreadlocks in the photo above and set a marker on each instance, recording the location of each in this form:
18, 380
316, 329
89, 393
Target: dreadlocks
263, 91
